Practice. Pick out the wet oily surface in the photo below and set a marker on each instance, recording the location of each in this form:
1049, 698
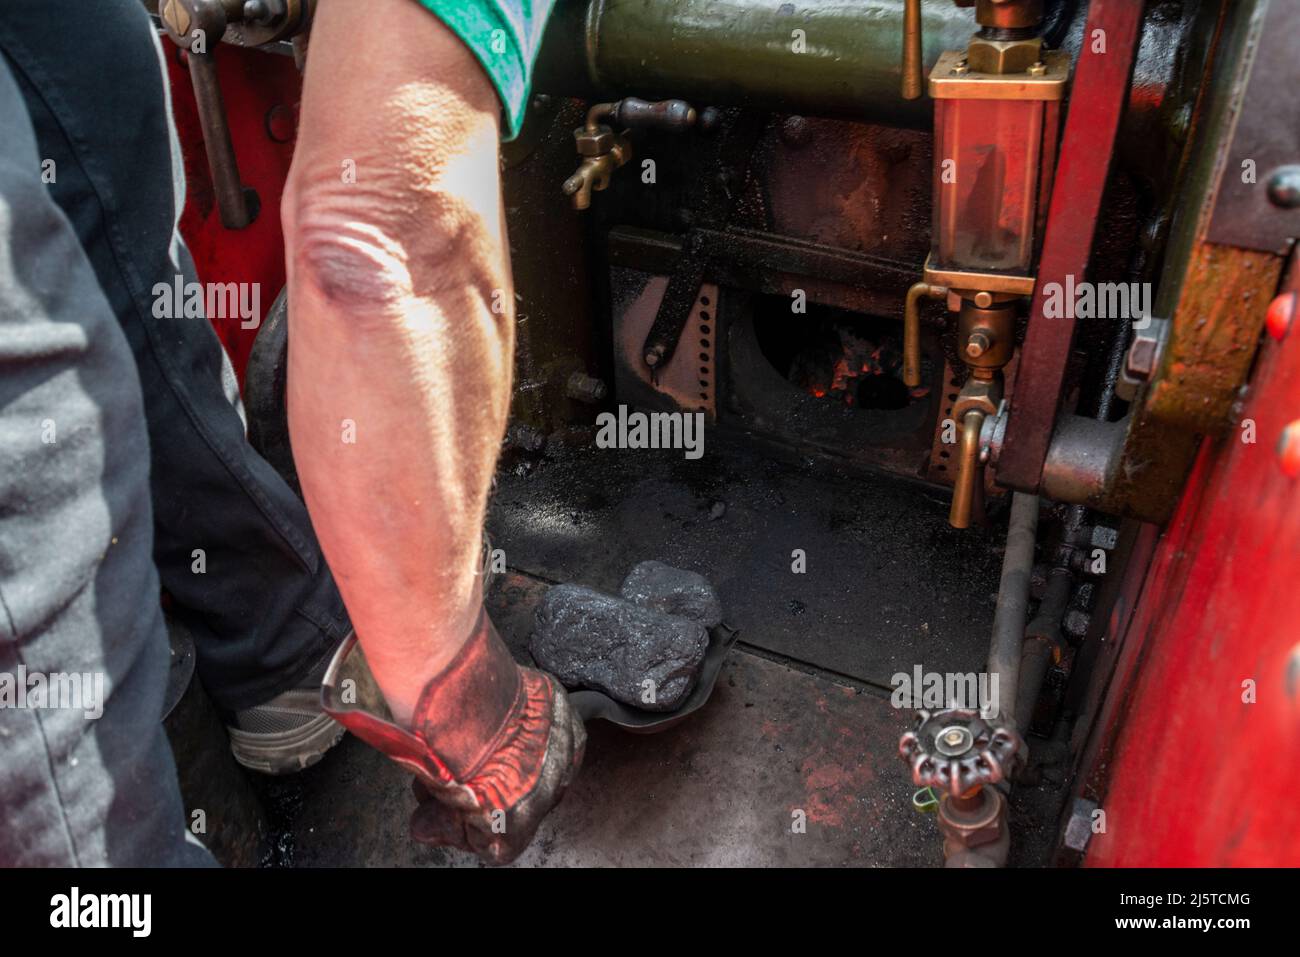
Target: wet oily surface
886, 583
794, 759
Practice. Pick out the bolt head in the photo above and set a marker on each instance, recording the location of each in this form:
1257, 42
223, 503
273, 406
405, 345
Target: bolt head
1143, 356
953, 740
1288, 450
1284, 187
1281, 313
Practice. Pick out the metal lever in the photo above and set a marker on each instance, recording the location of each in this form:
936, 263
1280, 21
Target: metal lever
673, 116
196, 26
913, 80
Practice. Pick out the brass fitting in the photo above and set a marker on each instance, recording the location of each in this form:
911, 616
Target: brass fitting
912, 329
603, 151
1009, 14
978, 399
986, 334
595, 171
1003, 56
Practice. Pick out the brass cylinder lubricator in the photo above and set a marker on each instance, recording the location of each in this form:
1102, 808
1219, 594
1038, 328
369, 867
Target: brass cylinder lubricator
997, 106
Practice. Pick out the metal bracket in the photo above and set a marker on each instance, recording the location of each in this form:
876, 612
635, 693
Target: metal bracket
1258, 201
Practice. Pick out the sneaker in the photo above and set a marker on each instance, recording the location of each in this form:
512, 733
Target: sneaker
288, 733
291, 731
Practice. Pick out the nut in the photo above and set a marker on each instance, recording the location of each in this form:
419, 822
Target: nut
974, 828
1144, 354
1079, 828
596, 142
1003, 56
1075, 623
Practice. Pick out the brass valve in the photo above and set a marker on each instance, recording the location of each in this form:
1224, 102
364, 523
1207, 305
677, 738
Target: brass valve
985, 340
603, 151
594, 173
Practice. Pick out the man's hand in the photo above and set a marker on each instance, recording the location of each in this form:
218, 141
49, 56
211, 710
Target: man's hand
493, 746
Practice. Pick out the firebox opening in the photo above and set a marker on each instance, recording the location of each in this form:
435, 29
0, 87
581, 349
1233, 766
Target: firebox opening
841, 357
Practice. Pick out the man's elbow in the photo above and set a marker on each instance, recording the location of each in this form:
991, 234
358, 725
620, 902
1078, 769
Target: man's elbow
373, 253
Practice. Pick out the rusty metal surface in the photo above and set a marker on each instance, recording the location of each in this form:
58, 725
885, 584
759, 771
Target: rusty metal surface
1266, 136
1213, 337
1216, 296
852, 186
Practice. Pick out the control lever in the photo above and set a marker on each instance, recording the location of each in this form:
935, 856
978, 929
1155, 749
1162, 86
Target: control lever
197, 26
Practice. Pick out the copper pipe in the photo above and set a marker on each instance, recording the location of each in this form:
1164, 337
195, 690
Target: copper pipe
913, 80
912, 329
966, 489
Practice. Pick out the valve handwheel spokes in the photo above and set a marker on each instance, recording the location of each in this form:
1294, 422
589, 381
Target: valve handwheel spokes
958, 751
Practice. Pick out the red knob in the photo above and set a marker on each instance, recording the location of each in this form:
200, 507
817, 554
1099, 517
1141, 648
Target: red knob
1281, 313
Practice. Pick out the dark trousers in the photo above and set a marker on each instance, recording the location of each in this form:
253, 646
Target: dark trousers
123, 459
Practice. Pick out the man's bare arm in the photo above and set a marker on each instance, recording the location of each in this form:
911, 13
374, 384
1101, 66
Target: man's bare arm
393, 275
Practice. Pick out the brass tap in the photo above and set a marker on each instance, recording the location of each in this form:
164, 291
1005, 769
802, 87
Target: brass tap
985, 339
603, 151
967, 492
977, 401
594, 173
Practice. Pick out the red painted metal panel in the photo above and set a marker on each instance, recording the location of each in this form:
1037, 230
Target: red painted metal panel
1199, 776
261, 91
1099, 91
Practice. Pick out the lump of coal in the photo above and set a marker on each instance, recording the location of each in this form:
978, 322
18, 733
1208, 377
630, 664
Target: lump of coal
673, 592
591, 640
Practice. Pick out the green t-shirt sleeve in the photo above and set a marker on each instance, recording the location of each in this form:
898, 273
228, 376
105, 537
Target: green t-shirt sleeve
504, 35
